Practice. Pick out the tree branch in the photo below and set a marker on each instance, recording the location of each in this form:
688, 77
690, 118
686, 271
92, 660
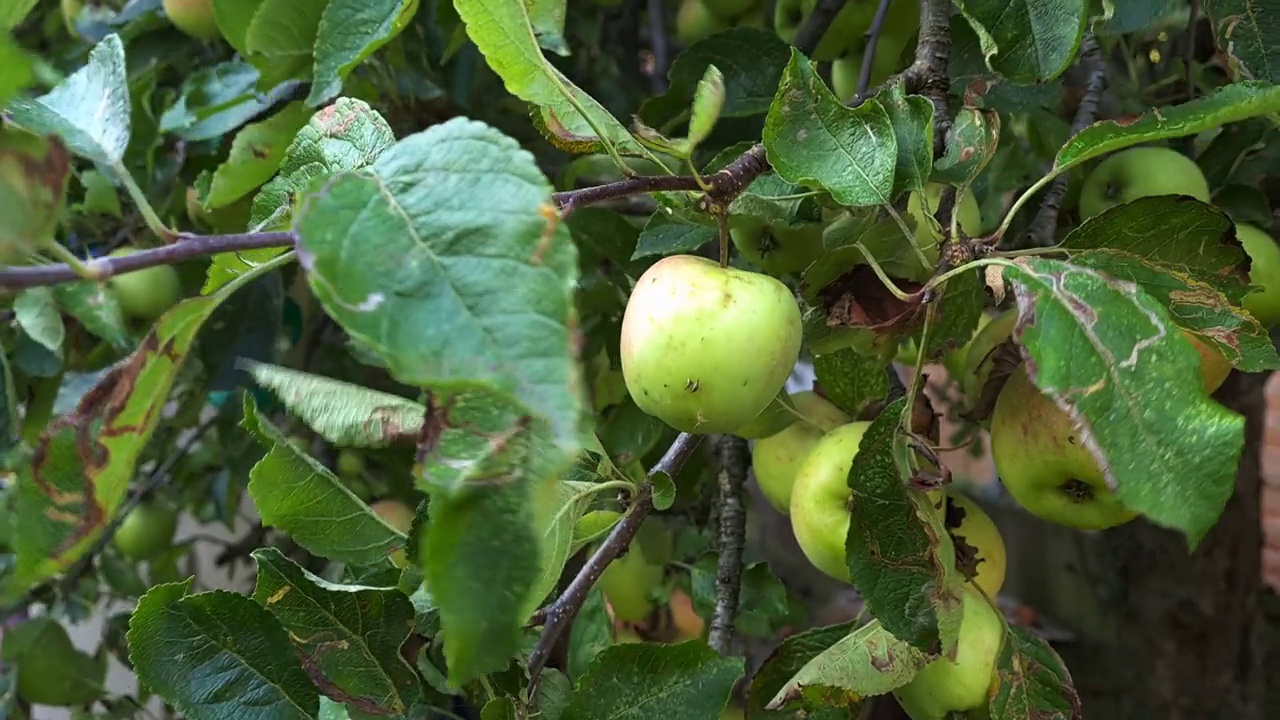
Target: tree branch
928, 74
730, 538
559, 614
1043, 227
817, 24
659, 45
188, 246
873, 41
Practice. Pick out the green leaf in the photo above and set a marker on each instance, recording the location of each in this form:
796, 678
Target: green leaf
15, 68
590, 633
33, 193
972, 140
1230, 103
1033, 681
255, 155
350, 32
219, 99
1246, 30
345, 414
282, 35
850, 379
868, 661
813, 140
499, 708
504, 33
957, 313
348, 636
89, 110
494, 282
37, 314
1172, 460
911, 117
10, 426
1027, 41
1179, 232
557, 540
641, 681
85, 460
13, 12
295, 493
1194, 305
708, 102
788, 658
751, 61
234, 17
667, 235
1126, 16
763, 603
232, 650
897, 552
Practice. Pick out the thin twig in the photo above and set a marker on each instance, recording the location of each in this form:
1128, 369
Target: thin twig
730, 538
873, 40
817, 24
1042, 230
560, 613
187, 247
658, 45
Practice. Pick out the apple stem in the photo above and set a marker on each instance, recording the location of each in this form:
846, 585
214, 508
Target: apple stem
723, 222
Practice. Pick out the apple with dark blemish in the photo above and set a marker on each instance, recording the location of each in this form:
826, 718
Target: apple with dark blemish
706, 348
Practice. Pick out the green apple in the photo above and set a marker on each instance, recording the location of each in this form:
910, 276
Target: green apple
928, 234
145, 294
788, 16
846, 69
695, 22
147, 531
847, 32
350, 463
820, 499
777, 459
775, 249
966, 521
959, 685
1214, 367
729, 9
980, 356
705, 348
70, 11
193, 17
1264, 271
399, 516
1137, 173
51, 671
1044, 464
628, 583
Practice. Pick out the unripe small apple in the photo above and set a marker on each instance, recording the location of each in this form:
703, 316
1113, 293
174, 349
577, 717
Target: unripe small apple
777, 250
350, 463
961, 685
1137, 173
146, 532
776, 460
705, 348
820, 499
145, 294
695, 22
1264, 271
193, 17
627, 584
399, 516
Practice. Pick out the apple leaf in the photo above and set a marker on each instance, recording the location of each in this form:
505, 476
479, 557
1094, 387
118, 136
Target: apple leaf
813, 140
36, 311
570, 117
899, 555
345, 414
981, 88
868, 661
494, 281
758, 201
1177, 231
1245, 31
232, 649
751, 61
217, 100
957, 314
763, 605
912, 119
1027, 41
12, 13
1033, 681
1228, 104
665, 235
347, 636
350, 31
590, 633
1126, 16
1194, 305
708, 102
256, 154
971, 144
1224, 153
16, 72
788, 658
1106, 353
281, 37
639, 681
295, 493
233, 18
851, 380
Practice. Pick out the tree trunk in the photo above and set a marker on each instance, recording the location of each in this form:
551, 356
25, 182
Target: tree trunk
1162, 633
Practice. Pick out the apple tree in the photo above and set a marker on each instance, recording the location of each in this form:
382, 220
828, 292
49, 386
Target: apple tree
492, 333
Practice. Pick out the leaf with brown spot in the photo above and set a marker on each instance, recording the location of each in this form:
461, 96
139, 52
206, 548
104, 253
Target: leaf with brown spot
33, 192
858, 299
1033, 681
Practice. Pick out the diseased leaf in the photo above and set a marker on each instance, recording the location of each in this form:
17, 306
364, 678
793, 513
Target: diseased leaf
788, 658
255, 155
346, 415
207, 652
1033, 681
850, 379
1101, 348
815, 141
33, 193
911, 117
404, 247
348, 637
1246, 32
639, 681
868, 661
972, 141
1027, 41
